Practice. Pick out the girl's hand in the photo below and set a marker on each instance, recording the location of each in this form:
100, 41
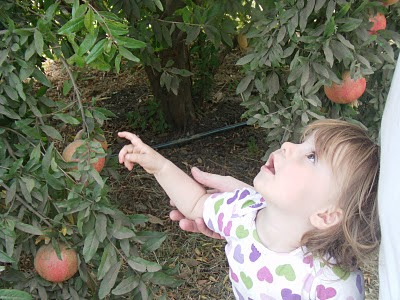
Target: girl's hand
140, 153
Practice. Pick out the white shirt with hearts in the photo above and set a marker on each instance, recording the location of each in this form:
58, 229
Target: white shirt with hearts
259, 273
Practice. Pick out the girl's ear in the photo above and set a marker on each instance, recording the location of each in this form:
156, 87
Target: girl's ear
326, 218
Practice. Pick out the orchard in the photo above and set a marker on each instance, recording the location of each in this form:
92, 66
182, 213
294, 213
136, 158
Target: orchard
299, 61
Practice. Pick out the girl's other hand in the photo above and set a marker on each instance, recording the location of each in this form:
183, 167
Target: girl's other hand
140, 153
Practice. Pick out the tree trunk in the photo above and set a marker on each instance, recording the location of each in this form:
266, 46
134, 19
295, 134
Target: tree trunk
178, 109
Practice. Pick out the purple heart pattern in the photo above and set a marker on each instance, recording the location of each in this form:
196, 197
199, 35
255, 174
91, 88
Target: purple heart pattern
359, 283
238, 255
233, 198
220, 221
265, 274
254, 254
287, 294
227, 229
324, 293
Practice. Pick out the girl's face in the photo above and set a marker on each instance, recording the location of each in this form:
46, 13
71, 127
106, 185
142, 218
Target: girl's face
295, 181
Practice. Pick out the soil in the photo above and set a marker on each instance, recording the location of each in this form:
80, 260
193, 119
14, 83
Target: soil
238, 152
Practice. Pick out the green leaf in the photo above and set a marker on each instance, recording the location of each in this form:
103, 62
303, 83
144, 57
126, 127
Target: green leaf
320, 69
10, 92
51, 132
89, 19
244, 83
127, 54
50, 11
126, 285
67, 119
72, 26
329, 27
340, 51
142, 265
328, 54
349, 24
96, 51
47, 158
159, 4
9, 113
28, 228
80, 11
192, 32
305, 74
154, 242
38, 37
101, 227
129, 42
11, 193
118, 62
67, 87
3, 55
166, 280
87, 43
245, 59
344, 41
108, 258
123, 233
30, 51
96, 176
41, 77
166, 35
8, 294
4, 258
181, 72
90, 246
108, 281
116, 28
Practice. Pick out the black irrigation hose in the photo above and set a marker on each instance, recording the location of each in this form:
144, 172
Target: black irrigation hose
199, 135
196, 136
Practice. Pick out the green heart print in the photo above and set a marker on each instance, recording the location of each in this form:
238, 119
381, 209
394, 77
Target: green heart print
217, 205
286, 271
246, 280
342, 274
241, 232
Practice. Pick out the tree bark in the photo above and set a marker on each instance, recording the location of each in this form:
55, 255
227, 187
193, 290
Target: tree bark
178, 109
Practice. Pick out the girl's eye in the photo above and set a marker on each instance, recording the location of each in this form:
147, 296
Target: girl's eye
312, 157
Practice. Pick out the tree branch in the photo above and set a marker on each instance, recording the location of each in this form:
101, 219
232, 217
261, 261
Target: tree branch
77, 93
24, 203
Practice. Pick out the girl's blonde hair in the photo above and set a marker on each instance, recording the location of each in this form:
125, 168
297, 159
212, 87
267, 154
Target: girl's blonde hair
355, 162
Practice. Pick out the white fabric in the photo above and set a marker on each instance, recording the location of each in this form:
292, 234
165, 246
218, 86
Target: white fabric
259, 273
389, 194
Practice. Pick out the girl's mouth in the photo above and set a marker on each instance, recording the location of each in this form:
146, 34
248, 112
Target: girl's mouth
270, 164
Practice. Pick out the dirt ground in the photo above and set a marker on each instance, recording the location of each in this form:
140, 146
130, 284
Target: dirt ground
237, 153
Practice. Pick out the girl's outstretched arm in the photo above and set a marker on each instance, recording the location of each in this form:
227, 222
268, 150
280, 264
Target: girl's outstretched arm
217, 183
187, 194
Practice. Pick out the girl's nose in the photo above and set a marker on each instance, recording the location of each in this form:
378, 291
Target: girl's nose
287, 148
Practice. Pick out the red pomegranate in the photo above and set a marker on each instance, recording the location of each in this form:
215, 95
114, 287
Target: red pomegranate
51, 268
70, 150
379, 23
346, 92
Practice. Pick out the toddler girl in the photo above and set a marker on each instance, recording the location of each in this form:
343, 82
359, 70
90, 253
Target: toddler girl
304, 227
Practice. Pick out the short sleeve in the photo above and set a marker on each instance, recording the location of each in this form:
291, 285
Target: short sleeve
334, 283
221, 209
